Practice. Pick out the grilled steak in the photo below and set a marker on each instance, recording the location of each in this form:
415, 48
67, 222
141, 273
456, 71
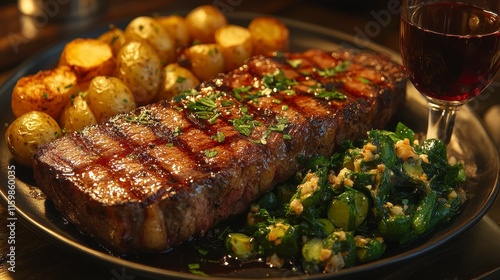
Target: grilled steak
150, 179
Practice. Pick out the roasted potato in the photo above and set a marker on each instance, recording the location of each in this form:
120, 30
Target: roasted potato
109, 96
175, 80
149, 30
26, 133
47, 91
176, 27
76, 115
204, 60
203, 21
139, 67
88, 58
268, 35
235, 43
115, 37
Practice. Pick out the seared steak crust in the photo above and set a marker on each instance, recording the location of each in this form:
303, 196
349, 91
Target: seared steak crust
152, 178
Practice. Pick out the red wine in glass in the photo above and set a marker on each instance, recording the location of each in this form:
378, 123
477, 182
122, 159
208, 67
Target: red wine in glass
451, 51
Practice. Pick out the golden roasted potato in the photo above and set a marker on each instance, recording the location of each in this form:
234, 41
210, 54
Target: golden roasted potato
176, 27
139, 67
76, 115
109, 96
268, 35
26, 133
204, 60
115, 37
235, 43
203, 21
175, 80
88, 58
47, 91
149, 30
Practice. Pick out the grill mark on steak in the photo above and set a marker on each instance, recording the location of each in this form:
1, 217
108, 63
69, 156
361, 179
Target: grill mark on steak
142, 180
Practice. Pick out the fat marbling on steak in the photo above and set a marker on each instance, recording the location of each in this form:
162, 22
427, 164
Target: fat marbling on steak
148, 180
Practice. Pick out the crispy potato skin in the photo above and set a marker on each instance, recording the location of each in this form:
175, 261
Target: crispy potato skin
268, 35
235, 43
147, 29
177, 28
139, 67
175, 79
76, 55
109, 96
28, 132
203, 21
47, 91
76, 115
204, 60
115, 38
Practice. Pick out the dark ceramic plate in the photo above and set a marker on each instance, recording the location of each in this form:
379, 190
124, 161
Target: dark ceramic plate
476, 149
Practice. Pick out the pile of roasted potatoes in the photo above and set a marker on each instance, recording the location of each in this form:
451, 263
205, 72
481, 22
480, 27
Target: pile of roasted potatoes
153, 58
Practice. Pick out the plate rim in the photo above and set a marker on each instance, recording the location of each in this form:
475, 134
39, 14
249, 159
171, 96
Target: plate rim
151, 271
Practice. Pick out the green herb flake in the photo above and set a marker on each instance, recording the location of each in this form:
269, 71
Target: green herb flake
205, 108
170, 144
284, 107
194, 266
278, 81
113, 40
143, 118
68, 86
125, 100
141, 27
330, 72
226, 103
329, 94
45, 95
276, 101
220, 136
364, 80
202, 252
295, 63
211, 153
180, 79
177, 131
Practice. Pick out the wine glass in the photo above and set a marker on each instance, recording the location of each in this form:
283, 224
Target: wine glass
451, 51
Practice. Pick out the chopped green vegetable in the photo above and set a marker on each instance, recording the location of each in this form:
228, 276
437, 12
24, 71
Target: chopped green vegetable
346, 209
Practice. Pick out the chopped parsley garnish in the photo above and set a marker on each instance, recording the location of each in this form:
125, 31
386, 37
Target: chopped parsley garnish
278, 81
185, 94
277, 127
330, 94
211, 153
143, 118
180, 79
364, 80
245, 124
295, 63
324, 93
330, 72
205, 108
220, 136
45, 95
177, 131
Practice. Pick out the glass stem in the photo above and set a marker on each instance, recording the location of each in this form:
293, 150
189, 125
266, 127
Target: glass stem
441, 121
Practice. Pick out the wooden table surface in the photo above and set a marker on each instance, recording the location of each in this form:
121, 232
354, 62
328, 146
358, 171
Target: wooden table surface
473, 254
